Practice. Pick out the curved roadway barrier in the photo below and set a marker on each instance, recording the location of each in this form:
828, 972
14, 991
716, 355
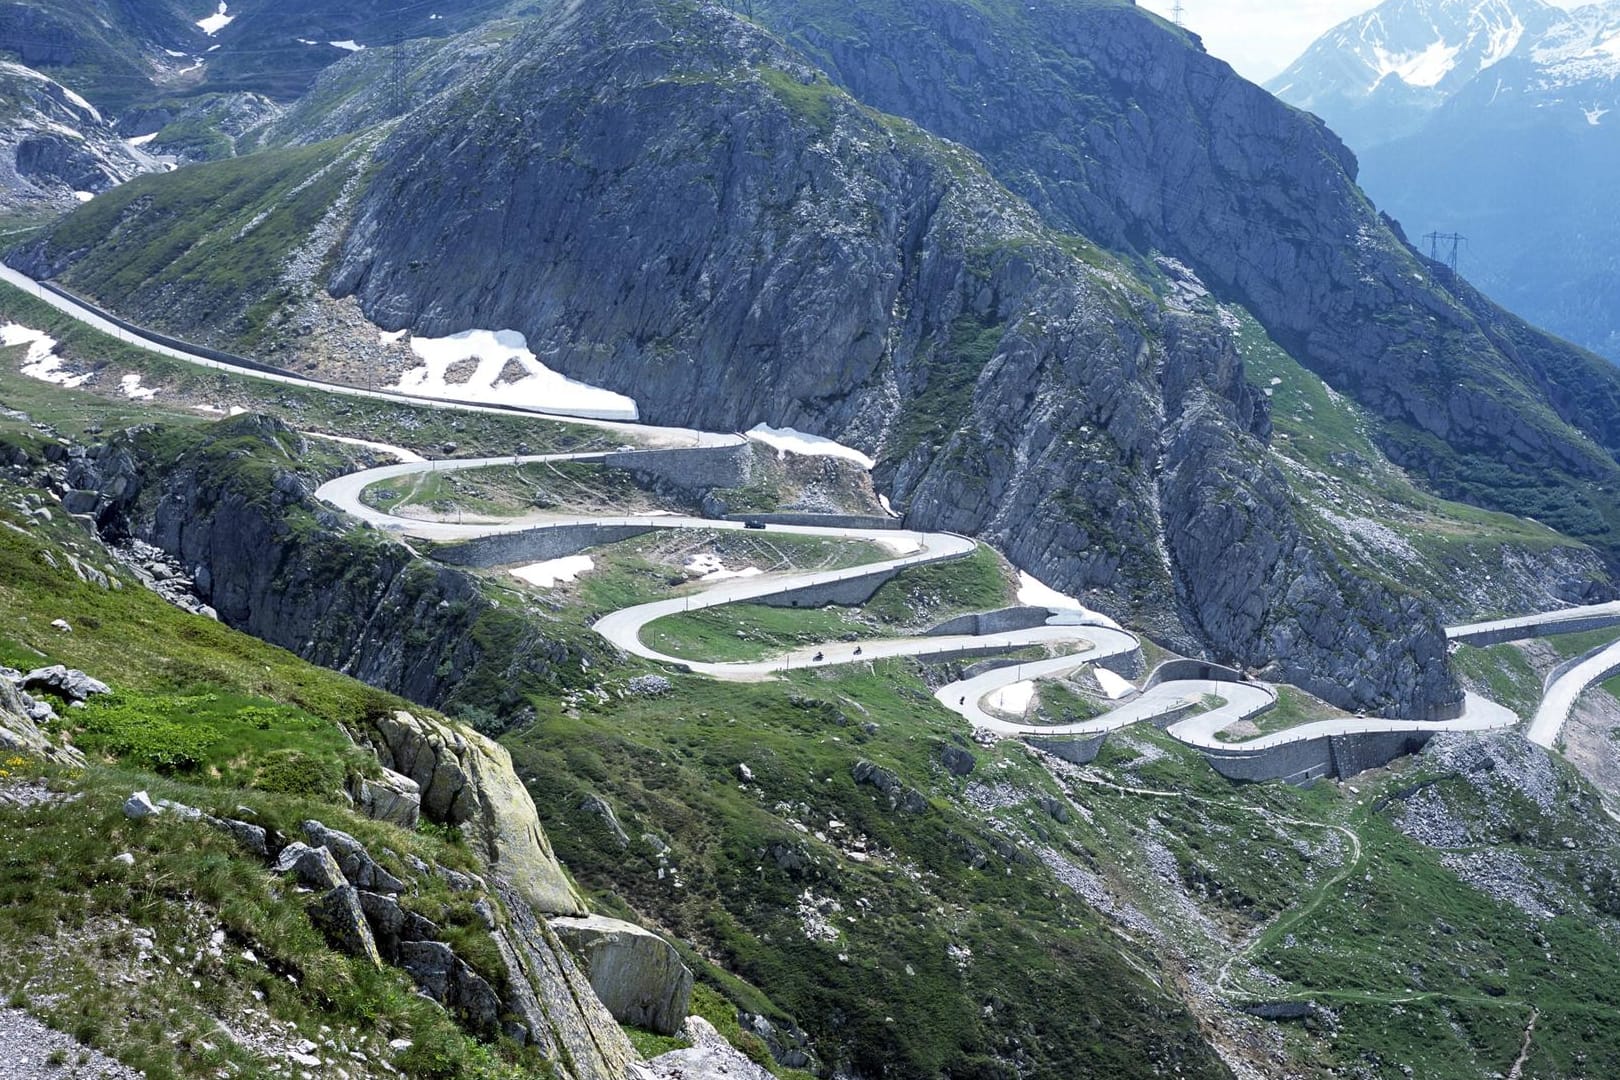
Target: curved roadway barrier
1337, 746
1564, 685
1572, 620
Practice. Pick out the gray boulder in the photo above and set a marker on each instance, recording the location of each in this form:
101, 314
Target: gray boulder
353, 859
447, 979
315, 867
638, 975
710, 1057
957, 761
392, 797
341, 918
139, 807
71, 684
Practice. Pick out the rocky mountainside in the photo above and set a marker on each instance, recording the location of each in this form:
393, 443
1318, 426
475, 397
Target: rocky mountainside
56, 148
837, 233
1454, 135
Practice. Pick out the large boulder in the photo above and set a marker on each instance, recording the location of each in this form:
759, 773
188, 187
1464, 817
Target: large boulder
67, 682
20, 730
468, 780
391, 797
314, 867
448, 979
637, 974
339, 916
353, 859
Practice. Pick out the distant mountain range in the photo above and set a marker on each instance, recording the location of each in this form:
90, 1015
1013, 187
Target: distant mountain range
1496, 119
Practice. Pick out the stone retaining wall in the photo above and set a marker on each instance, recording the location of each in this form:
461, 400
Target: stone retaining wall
1299, 762
980, 624
1539, 628
694, 467
1078, 749
846, 592
824, 521
535, 545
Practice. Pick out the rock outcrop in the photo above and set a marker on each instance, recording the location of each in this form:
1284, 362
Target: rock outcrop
21, 717
56, 149
233, 509
637, 974
710, 1057
467, 780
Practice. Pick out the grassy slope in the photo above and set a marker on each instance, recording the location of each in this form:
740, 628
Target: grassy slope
203, 247
209, 716
887, 979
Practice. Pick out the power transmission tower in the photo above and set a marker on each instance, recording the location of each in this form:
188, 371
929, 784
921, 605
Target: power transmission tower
1456, 240
1176, 14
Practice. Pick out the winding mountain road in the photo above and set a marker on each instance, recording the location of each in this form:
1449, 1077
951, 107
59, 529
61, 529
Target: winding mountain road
1083, 640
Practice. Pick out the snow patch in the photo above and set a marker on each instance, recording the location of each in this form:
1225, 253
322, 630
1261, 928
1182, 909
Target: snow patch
217, 21
41, 361
346, 46
706, 566
1424, 68
84, 196
540, 388
386, 337
409, 456
81, 103
547, 574
1113, 684
1014, 699
1033, 593
791, 441
131, 386
142, 140
901, 545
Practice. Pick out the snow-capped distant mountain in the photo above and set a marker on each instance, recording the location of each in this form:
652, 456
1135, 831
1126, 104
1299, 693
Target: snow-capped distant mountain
1498, 119
1378, 76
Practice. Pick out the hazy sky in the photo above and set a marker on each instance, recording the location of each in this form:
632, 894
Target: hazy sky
1261, 37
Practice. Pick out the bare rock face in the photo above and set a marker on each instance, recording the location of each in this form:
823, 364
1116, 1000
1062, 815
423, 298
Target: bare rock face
392, 797
468, 780
340, 917
20, 731
710, 1057
637, 974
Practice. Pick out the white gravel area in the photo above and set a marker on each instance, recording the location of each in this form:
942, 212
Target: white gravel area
29, 1050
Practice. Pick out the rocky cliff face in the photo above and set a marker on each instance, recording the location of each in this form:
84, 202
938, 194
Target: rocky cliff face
56, 149
234, 511
1013, 382
1107, 121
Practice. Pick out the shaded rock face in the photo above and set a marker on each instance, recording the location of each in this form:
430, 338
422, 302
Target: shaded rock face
637, 974
1266, 599
54, 144
553, 998
20, 729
